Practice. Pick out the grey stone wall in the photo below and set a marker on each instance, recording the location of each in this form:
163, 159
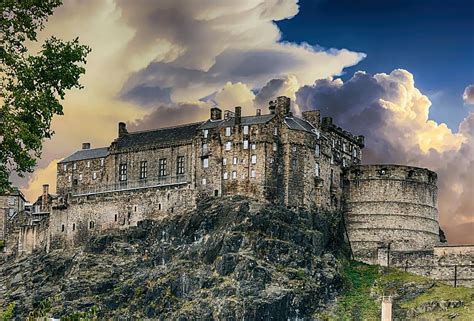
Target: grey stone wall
390, 205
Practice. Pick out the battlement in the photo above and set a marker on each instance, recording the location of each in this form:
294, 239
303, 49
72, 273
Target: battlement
392, 172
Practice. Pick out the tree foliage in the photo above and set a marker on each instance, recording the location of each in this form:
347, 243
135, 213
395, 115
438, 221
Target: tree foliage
31, 86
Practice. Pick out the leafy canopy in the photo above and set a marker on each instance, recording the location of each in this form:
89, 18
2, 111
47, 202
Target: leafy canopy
31, 86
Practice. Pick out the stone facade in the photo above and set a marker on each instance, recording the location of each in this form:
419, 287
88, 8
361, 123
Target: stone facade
390, 211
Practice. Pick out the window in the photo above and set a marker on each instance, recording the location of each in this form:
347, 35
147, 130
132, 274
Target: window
225, 176
234, 174
270, 160
65, 167
69, 178
275, 147
344, 147
234, 160
204, 181
228, 146
254, 159
115, 218
354, 152
216, 192
224, 161
204, 148
101, 162
205, 162
332, 159
180, 165
62, 228
205, 133
80, 177
159, 206
94, 175
294, 164
73, 226
254, 146
246, 130
294, 148
253, 174
162, 167
246, 144
317, 170
143, 169
227, 131
344, 163
275, 131
91, 224
123, 172
317, 150
74, 166
88, 164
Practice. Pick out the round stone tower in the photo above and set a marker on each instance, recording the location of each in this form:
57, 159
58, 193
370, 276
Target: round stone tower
390, 208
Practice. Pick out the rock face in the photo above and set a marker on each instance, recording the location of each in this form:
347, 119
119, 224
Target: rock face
230, 259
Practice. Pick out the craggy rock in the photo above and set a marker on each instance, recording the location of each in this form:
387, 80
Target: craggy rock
232, 258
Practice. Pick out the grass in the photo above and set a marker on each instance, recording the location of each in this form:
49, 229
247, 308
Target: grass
364, 285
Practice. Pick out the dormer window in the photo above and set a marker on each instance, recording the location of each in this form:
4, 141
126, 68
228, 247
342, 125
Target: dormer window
205, 133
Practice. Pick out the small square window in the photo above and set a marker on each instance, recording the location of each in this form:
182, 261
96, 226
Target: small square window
227, 131
228, 146
253, 173
205, 133
254, 146
294, 148
234, 174
246, 144
204, 181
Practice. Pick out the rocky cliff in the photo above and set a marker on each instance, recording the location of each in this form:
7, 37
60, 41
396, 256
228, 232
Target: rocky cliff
229, 259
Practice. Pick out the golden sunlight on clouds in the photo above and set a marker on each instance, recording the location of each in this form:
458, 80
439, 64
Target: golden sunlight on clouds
42, 176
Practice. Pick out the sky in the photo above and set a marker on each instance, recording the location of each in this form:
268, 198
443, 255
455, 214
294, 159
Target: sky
400, 74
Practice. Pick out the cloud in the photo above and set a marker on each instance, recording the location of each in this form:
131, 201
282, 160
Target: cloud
42, 176
468, 95
214, 42
393, 115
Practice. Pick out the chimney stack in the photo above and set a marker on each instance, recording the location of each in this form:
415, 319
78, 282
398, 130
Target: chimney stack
272, 107
86, 145
122, 129
44, 197
259, 112
282, 106
238, 115
313, 117
216, 113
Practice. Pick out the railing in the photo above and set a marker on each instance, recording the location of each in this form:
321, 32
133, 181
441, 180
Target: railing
131, 185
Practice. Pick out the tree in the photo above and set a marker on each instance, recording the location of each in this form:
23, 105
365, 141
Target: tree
31, 86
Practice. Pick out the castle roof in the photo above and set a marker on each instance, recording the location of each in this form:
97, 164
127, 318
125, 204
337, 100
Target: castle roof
156, 137
84, 154
245, 120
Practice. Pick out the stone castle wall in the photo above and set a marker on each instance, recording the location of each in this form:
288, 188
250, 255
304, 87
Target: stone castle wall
89, 215
390, 206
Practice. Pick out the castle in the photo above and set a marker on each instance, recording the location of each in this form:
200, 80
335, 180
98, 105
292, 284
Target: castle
390, 211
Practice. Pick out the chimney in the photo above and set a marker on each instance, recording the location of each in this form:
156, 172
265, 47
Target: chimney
272, 107
259, 112
122, 129
327, 122
86, 145
44, 197
282, 106
312, 117
216, 113
238, 115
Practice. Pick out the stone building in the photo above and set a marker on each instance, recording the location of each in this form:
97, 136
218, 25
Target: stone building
308, 162
12, 205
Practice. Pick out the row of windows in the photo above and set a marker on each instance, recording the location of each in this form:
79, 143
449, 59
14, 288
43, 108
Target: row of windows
88, 164
80, 177
162, 168
228, 131
235, 160
233, 174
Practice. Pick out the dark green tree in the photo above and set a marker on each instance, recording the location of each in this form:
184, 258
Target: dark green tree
32, 86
